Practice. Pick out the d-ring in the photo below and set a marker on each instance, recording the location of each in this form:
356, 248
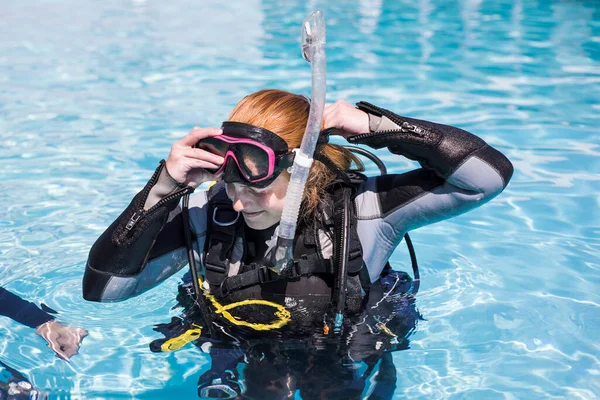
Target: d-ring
214, 218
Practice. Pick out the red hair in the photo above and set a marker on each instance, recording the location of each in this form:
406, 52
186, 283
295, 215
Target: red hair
286, 114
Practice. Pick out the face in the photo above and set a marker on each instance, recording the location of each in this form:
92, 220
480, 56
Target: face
261, 207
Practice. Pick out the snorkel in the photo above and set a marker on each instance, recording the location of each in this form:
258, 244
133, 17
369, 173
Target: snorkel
313, 51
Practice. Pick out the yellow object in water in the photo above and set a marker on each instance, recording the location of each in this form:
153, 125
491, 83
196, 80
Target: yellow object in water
381, 326
178, 342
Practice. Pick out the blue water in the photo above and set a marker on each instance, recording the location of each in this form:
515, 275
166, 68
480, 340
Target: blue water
92, 94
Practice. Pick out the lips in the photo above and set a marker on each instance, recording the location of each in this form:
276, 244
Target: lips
252, 214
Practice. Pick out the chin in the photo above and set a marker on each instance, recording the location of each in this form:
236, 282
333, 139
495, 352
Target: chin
259, 224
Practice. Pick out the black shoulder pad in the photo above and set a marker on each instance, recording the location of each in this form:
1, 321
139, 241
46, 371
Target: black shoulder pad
217, 191
356, 178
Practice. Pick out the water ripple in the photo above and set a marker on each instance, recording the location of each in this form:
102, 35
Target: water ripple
93, 95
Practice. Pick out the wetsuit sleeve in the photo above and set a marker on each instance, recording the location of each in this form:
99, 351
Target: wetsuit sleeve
23, 312
143, 247
459, 172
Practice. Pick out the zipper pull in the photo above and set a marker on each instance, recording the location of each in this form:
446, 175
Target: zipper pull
134, 219
406, 127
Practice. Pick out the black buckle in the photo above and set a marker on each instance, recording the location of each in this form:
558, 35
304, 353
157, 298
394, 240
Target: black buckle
264, 274
286, 160
215, 268
294, 271
224, 291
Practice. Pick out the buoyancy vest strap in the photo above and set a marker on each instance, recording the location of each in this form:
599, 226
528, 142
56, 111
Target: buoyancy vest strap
339, 192
223, 225
357, 282
262, 274
341, 201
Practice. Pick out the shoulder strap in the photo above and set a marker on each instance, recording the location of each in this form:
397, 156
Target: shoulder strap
223, 225
339, 194
352, 282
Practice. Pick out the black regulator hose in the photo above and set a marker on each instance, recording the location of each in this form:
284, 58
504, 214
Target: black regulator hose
415, 266
341, 254
185, 213
370, 156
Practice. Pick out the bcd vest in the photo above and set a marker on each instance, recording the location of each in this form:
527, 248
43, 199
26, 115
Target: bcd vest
312, 284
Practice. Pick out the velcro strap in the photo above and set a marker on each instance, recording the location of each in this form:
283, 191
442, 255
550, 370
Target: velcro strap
262, 274
223, 225
218, 250
250, 278
310, 267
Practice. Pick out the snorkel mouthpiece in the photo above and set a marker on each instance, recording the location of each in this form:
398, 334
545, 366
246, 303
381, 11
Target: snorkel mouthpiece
313, 51
313, 35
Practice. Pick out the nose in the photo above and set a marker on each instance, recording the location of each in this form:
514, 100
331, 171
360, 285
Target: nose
236, 192
238, 206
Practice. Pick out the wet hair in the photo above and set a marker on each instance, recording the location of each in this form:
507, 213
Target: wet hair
286, 114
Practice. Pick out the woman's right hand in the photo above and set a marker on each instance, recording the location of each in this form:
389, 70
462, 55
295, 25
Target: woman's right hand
187, 164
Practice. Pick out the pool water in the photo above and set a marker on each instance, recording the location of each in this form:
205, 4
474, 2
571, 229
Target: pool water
92, 94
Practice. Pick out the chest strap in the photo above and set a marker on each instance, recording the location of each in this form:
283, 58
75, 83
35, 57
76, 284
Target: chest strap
262, 274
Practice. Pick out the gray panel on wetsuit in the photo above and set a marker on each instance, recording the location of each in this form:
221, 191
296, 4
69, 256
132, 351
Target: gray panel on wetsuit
160, 268
381, 232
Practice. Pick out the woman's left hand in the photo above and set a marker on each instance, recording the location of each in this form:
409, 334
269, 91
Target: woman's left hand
346, 118
62, 339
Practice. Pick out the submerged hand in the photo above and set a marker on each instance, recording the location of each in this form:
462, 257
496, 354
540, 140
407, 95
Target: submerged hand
62, 339
346, 118
187, 164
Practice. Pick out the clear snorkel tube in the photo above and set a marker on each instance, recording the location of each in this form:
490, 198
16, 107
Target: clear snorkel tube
313, 51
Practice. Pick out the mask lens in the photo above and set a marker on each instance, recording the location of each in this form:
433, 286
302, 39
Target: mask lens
254, 160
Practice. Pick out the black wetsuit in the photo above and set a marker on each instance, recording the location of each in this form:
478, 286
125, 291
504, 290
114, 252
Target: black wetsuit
145, 245
22, 311
460, 171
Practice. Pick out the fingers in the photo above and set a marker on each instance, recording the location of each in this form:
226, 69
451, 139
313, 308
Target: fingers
181, 162
346, 118
185, 158
334, 113
189, 158
68, 341
68, 348
328, 116
63, 340
212, 160
197, 134
81, 332
64, 353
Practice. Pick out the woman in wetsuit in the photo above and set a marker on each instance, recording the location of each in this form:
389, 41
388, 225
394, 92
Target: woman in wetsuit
250, 155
